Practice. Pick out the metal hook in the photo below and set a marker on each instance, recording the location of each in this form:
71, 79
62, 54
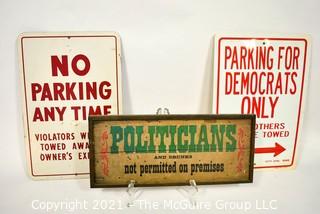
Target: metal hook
165, 111
159, 111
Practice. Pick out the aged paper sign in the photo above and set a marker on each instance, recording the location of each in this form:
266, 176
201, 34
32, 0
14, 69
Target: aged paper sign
265, 76
66, 77
171, 150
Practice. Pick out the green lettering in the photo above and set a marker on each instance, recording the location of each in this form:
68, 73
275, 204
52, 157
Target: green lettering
117, 135
203, 145
129, 148
151, 131
173, 147
140, 148
231, 146
217, 137
192, 132
162, 131
182, 130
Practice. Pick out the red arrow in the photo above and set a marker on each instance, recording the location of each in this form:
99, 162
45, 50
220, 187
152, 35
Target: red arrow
277, 149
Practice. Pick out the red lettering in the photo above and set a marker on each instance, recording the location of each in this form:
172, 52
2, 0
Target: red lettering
294, 89
227, 55
104, 90
57, 64
228, 86
86, 67
62, 65
296, 54
280, 56
35, 89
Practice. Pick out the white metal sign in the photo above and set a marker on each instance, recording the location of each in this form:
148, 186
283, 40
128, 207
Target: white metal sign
66, 77
265, 76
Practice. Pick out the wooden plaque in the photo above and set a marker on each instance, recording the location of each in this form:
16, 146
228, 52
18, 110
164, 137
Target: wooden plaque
156, 150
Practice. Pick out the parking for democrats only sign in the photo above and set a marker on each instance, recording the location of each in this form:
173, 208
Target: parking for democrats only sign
171, 149
65, 78
265, 76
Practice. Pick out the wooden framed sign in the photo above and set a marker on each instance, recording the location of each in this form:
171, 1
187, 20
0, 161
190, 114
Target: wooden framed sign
266, 76
156, 150
65, 77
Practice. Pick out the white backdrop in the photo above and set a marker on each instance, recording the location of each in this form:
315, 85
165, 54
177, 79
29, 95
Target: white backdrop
167, 63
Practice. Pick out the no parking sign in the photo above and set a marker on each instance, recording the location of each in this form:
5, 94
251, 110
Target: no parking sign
65, 78
265, 76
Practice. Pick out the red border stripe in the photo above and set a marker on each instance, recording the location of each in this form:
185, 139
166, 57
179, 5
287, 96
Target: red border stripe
25, 94
301, 92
